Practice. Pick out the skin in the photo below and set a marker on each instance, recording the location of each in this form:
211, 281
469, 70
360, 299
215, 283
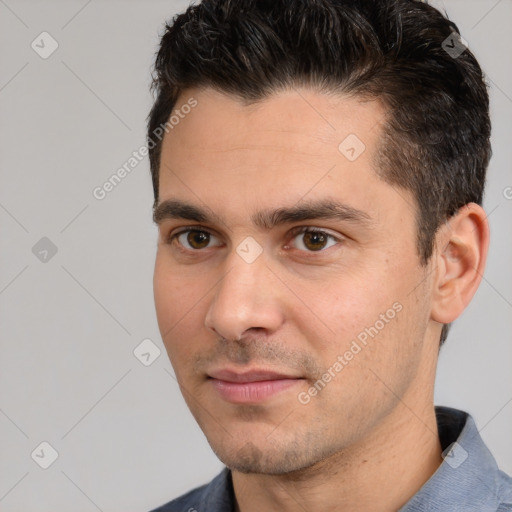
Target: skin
368, 439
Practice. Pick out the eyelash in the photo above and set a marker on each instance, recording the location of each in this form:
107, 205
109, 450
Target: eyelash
293, 233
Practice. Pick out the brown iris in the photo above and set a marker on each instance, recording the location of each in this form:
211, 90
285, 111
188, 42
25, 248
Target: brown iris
314, 240
198, 239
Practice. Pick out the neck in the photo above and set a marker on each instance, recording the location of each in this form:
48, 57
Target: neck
381, 473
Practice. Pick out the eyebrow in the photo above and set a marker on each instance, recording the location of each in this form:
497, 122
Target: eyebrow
326, 209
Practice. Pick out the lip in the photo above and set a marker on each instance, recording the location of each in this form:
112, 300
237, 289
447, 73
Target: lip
256, 375
252, 386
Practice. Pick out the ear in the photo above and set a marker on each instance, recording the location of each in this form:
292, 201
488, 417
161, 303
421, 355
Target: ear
461, 251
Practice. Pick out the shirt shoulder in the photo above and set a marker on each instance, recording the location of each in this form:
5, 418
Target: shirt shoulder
185, 502
215, 496
504, 484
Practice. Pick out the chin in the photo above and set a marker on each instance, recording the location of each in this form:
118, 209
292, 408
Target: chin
251, 458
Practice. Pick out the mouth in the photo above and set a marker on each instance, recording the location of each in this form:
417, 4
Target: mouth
251, 387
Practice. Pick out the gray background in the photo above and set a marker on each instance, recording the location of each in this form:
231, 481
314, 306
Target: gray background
69, 325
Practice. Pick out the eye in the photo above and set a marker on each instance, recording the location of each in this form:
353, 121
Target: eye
193, 239
313, 240
304, 238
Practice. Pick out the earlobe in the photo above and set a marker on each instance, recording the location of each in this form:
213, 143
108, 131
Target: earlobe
461, 251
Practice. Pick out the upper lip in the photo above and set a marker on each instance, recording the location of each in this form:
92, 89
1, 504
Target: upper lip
255, 375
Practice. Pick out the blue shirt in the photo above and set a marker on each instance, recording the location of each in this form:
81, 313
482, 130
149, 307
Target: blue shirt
468, 480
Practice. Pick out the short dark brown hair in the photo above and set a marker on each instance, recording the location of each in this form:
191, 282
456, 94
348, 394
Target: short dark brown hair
436, 136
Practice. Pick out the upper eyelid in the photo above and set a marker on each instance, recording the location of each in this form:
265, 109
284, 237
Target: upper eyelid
186, 229
296, 229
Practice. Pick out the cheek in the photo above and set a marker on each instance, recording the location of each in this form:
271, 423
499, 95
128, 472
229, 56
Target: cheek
177, 306
164, 295
350, 303
364, 308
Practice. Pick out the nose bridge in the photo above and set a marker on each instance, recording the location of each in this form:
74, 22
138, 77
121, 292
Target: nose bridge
244, 297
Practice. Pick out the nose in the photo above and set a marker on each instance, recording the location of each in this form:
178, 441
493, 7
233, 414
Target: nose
245, 298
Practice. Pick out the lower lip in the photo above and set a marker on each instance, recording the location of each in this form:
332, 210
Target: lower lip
251, 392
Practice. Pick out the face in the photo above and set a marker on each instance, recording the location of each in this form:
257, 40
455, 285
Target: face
288, 287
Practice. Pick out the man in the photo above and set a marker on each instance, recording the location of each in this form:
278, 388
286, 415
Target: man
318, 196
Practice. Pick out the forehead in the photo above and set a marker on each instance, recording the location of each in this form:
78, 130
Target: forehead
305, 120
293, 144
